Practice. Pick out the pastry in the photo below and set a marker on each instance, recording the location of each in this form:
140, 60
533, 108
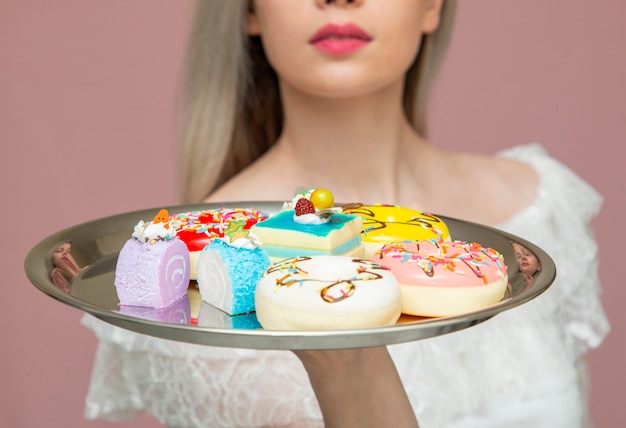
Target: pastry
384, 224
445, 278
152, 268
197, 229
327, 293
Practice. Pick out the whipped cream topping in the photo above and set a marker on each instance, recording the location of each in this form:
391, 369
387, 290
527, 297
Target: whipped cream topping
310, 219
152, 232
319, 217
250, 242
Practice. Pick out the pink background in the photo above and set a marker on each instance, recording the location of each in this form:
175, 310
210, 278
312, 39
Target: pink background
87, 127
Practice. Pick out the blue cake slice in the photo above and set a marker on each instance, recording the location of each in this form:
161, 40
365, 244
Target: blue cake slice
228, 274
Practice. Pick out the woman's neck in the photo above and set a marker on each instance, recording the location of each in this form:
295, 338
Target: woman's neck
357, 143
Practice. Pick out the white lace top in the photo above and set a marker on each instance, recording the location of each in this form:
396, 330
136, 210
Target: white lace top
522, 368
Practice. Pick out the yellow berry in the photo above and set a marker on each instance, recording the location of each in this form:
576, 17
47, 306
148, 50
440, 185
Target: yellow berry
322, 199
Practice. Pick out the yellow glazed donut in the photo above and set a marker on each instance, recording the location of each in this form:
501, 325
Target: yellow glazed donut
384, 224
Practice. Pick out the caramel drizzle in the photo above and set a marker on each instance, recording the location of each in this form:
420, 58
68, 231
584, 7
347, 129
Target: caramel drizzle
333, 292
376, 224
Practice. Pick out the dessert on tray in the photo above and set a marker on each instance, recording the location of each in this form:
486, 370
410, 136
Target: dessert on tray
327, 293
310, 226
152, 268
384, 224
229, 269
199, 228
445, 278
304, 267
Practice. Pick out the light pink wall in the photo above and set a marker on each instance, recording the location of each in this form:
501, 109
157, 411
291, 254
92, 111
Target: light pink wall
87, 127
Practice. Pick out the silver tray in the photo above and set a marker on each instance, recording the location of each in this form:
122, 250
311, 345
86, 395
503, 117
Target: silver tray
89, 287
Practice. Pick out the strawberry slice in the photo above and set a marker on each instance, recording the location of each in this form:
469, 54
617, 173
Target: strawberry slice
304, 206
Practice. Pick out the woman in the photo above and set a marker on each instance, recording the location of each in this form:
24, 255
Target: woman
333, 94
528, 263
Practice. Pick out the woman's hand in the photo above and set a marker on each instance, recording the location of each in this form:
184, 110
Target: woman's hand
358, 387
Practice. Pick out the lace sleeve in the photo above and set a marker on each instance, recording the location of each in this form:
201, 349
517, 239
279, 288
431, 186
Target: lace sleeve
561, 214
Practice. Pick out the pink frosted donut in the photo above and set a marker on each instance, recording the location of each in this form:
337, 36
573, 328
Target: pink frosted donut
445, 278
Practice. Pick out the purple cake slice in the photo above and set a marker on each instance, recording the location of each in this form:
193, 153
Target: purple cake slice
153, 266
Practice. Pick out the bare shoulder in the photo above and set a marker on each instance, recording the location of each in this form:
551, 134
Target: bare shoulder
515, 177
499, 187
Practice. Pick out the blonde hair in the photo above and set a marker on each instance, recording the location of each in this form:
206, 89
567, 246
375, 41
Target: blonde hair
231, 107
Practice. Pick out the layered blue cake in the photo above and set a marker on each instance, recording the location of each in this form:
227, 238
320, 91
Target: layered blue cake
283, 237
228, 274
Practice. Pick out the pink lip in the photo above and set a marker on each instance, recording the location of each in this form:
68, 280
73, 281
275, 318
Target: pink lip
70, 264
336, 39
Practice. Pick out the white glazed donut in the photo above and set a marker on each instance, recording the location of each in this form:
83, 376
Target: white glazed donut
327, 293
